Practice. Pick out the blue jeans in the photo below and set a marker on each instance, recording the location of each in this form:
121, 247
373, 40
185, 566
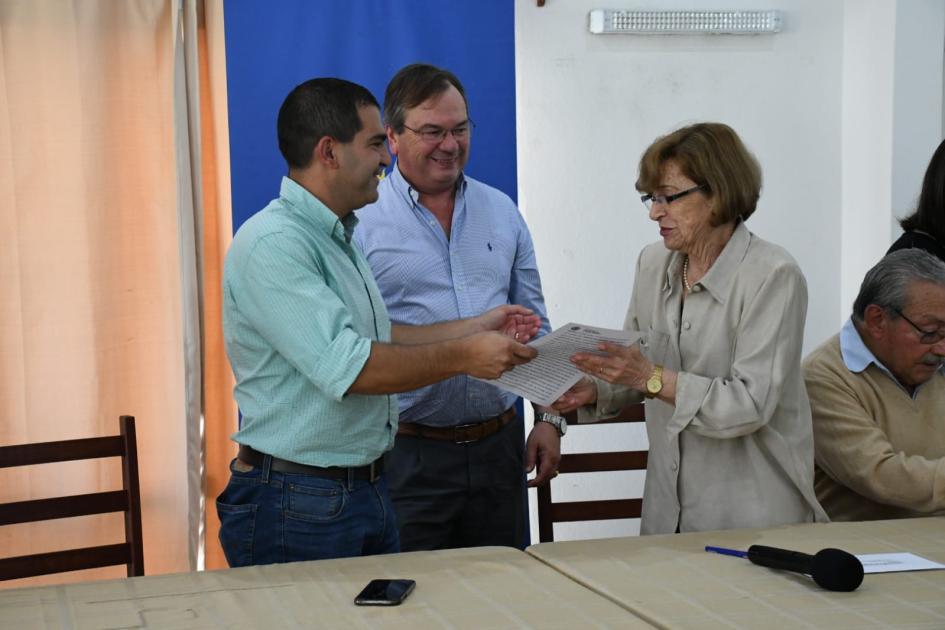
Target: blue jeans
268, 517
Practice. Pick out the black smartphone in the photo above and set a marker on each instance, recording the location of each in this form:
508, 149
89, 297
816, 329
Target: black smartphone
384, 592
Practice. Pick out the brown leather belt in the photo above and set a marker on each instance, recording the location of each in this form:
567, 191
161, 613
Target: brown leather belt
249, 455
460, 434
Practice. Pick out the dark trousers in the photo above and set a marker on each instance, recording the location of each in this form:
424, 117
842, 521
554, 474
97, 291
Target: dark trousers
449, 495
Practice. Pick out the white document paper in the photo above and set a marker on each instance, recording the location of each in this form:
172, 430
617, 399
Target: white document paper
892, 562
546, 377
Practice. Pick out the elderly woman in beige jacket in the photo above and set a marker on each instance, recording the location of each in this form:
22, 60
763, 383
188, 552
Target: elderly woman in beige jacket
722, 315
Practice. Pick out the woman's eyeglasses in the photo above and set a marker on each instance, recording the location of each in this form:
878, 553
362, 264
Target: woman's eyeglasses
649, 200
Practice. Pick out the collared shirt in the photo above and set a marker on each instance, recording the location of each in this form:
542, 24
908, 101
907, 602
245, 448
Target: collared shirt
857, 357
300, 312
736, 450
489, 260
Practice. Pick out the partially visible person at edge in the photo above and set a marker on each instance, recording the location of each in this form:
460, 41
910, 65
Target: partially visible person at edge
925, 228
877, 395
722, 316
313, 351
443, 245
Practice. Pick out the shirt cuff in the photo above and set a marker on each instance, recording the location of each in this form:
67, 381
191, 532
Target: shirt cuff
691, 390
610, 400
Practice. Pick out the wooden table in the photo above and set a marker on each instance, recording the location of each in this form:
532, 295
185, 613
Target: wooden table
673, 583
487, 587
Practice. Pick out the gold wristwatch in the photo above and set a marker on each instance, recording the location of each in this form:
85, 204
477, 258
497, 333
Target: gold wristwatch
654, 384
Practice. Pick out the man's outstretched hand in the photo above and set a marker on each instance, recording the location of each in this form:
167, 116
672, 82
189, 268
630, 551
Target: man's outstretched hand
512, 320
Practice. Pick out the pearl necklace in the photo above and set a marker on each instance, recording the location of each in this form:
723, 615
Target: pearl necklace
685, 274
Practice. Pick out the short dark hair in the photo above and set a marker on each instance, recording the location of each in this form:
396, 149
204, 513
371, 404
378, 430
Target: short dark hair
319, 108
413, 85
713, 156
887, 283
929, 215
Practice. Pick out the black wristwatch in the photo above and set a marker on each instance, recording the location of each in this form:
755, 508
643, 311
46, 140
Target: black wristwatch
556, 421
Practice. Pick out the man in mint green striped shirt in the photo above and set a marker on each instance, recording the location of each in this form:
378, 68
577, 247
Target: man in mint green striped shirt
313, 351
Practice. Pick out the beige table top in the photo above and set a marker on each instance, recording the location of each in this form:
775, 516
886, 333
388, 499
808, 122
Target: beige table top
672, 582
487, 587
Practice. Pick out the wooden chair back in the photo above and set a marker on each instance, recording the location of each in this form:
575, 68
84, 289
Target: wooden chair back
127, 500
551, 512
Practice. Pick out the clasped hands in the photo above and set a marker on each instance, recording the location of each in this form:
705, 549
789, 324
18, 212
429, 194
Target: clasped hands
496, 341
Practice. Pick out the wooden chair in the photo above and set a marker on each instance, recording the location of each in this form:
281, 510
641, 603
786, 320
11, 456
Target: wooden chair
551, 512
127, 500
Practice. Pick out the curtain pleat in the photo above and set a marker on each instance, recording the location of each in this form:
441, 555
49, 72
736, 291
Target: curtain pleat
219, 411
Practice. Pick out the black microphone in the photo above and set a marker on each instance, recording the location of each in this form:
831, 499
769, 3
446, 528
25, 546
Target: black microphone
832, 569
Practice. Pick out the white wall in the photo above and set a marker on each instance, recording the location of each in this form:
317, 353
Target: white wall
891, 122
843, 109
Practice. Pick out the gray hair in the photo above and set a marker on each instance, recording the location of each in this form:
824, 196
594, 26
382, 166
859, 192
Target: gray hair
887, 283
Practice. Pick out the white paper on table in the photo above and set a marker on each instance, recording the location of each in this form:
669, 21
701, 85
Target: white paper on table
546, 377
892, 562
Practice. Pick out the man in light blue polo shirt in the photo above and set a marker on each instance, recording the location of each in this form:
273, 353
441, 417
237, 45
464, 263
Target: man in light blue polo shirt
314, 353
443, 245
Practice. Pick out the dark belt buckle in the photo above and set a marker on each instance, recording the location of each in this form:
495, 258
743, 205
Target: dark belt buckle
462, 433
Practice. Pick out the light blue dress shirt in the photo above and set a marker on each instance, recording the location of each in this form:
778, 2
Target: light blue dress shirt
426, 278
857, 357
300, 310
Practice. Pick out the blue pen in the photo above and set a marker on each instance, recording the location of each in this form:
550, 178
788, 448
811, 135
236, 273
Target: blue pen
727, 552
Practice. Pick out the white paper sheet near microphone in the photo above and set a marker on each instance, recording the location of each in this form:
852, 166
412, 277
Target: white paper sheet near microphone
551, 373
892, 562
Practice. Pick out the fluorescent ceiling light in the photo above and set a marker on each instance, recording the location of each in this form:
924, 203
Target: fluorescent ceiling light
613, 21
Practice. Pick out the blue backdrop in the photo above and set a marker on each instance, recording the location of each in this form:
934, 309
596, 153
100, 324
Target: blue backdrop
273, 46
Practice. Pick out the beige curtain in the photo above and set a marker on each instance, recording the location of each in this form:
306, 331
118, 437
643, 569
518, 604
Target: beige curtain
101, 187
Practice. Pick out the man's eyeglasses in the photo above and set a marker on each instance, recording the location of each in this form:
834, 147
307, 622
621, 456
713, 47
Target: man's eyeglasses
436, 135
649, 200
927, 337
